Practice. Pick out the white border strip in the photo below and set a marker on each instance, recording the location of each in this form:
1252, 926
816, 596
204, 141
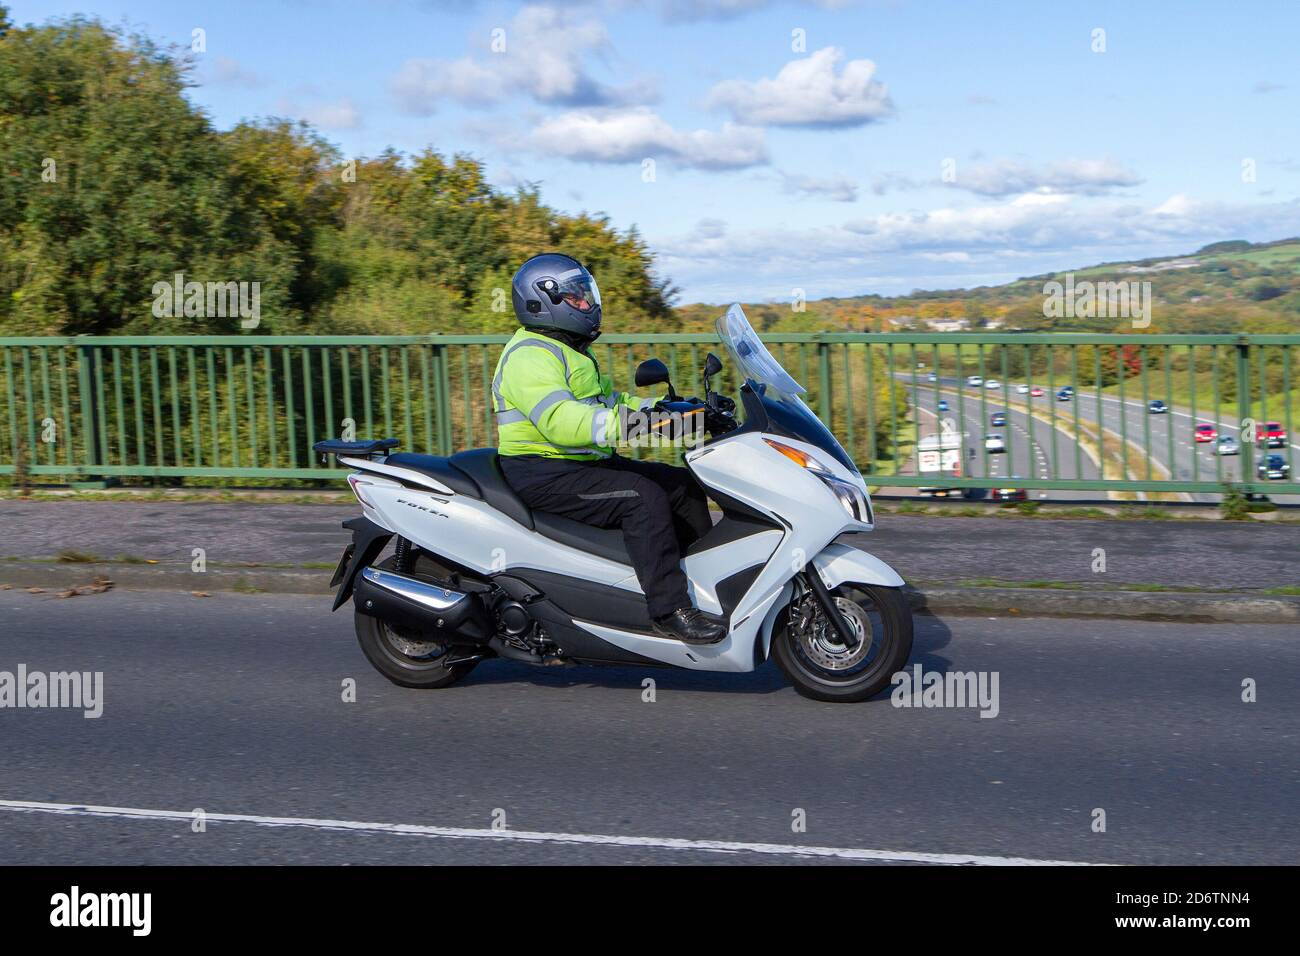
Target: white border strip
527, 836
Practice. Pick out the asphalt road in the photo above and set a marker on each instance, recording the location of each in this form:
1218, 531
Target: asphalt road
233, 704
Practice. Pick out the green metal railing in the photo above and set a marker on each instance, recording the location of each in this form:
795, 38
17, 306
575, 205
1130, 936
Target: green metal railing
250, 407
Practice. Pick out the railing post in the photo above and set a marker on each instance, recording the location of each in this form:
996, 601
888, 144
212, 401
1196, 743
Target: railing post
824, 380
87, 359
1243, 406
442, 397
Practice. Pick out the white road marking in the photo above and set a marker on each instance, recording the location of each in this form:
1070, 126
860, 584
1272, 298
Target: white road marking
527, 836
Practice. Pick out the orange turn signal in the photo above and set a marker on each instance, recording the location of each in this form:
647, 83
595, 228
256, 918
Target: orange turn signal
802, 459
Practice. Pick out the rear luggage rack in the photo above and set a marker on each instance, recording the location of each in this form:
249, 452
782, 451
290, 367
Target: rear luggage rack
356, 449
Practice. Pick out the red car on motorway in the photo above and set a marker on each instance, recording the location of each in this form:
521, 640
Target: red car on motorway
1272, 435
1205, 433
1036, 392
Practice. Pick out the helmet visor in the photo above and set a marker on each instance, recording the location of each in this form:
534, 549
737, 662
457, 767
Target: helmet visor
578, 289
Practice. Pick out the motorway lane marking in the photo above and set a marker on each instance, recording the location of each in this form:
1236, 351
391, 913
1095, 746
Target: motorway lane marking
527, 836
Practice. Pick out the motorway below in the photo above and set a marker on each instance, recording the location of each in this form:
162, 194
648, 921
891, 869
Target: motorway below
1174, 452
1031, 445
233, 703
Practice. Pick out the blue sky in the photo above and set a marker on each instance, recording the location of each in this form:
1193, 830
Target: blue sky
903, 145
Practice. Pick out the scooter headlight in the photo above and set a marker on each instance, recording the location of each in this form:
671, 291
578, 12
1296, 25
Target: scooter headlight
849, 495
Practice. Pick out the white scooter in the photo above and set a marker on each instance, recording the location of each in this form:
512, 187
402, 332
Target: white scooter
477, 574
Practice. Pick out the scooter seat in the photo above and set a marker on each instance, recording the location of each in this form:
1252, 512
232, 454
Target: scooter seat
481, 466
439, 469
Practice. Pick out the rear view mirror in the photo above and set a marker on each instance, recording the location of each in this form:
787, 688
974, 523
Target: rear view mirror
712, 366
651, 372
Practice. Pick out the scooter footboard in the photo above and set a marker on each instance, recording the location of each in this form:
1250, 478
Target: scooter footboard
842, 563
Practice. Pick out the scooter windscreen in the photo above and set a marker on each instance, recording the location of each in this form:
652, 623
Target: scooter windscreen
779, 393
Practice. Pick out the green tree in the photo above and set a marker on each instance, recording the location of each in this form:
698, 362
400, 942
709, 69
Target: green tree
115, 182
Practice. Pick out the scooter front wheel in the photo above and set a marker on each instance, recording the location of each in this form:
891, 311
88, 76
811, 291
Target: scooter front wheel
820, 666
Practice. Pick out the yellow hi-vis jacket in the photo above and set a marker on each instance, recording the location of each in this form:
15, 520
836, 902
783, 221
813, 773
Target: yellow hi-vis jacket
551, 400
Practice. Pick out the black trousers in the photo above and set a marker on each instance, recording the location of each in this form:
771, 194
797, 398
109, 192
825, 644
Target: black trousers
660, 508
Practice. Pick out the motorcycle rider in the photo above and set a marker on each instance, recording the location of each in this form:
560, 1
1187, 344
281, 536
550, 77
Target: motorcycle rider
558, 418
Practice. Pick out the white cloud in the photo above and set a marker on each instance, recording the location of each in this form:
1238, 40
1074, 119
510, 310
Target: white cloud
836, 188
808, 92
420, 85
627, 136
341, 114
230, 72
710, 228
1178, 204
708, 9
545, 57
991, 242
1084, 176
690, 10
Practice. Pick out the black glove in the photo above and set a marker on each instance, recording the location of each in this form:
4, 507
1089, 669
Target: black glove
675, 421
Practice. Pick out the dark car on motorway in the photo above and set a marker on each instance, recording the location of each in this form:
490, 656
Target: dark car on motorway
1157, 407
1273, 467
998, 419
1010, 494
1065, 394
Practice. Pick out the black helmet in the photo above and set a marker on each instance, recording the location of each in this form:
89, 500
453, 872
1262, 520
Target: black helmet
555, 292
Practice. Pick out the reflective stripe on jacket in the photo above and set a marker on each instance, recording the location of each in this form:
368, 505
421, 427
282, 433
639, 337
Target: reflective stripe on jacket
551, 400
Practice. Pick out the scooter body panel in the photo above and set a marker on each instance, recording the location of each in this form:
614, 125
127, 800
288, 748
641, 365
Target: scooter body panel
843, 564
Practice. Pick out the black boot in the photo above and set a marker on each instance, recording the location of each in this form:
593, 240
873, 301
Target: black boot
690, 625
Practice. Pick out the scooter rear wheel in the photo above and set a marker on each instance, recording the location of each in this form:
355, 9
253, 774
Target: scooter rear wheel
407, 658
821, 667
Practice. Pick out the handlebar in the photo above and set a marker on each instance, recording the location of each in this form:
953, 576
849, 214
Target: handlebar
719, 411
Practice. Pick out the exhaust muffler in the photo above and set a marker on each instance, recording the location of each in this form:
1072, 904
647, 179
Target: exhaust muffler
425, 606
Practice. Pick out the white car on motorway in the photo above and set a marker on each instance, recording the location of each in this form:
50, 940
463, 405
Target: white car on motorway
994, 442
974, 381
1022, 389
993, 383
1228, 446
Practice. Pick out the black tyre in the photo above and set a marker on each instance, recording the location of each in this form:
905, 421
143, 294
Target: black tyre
408, 658
821, 667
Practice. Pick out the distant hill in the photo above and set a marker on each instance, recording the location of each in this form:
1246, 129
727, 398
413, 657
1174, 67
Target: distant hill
1224, 287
